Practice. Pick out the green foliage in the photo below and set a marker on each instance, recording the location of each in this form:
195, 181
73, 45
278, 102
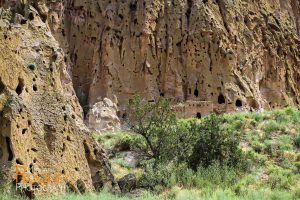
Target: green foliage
171, 174
272, 126
215, 144
297, 140
280, 179
154, 122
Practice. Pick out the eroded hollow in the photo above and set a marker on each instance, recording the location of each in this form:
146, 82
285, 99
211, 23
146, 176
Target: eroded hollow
196, 92
198, 115
81, 186
20, 86
31, 16
9, 151
221, 99
239, 103
94, 166
2, 86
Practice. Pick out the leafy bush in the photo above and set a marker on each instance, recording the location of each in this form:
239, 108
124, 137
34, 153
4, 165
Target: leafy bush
215, 144
155, 122
279, 180
272, 126
297, 140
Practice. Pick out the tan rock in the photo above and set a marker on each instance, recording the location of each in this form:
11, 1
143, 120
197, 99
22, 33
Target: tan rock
231, 53
41, 125
103, 116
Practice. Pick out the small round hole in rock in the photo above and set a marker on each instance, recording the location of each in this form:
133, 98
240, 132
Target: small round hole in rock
24, 131
221, 99
20, 86
34, 87
239, 103
31, 16
19, 161
31, 67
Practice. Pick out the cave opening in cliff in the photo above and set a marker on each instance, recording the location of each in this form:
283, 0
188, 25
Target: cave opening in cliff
133, 7
196, 92
9, 151
189, 10
31, 16
2, 86
221, 99
20, 86
239, 103
31, 67
34, 87
198, 115
83, 98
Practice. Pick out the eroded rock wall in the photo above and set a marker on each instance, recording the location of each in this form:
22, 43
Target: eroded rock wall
229, 53
41, 126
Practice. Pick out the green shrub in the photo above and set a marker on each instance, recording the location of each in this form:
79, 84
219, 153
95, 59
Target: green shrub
215, 175
129, 142
280, 178
215, 144
155, 122
297, 165
272, 126
285, 143
297, 140
163, 174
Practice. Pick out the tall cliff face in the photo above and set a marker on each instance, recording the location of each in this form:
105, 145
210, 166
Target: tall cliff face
223, 52
203, 55
44, 144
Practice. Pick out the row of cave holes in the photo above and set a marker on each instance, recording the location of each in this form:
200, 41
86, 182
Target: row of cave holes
222, 100
238, 104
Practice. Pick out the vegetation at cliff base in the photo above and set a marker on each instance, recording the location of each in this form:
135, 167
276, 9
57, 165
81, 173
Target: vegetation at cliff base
246, 155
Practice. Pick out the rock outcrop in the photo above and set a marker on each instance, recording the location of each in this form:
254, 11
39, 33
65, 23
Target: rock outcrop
225, 53
103, 116
203, 55
44, 145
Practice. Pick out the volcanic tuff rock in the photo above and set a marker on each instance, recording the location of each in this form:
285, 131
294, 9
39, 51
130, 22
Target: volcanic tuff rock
103, 116
227, 54
41, 124
204, 55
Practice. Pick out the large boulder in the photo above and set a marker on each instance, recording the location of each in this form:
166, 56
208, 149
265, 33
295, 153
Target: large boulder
103, 116
127, 183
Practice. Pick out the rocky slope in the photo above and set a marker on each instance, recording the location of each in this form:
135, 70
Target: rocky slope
44, 144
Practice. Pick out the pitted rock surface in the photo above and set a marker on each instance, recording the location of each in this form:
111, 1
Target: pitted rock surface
203, 55
41, 125
227, 54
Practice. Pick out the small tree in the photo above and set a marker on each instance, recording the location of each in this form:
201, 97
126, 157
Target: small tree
215, 144
155, 122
